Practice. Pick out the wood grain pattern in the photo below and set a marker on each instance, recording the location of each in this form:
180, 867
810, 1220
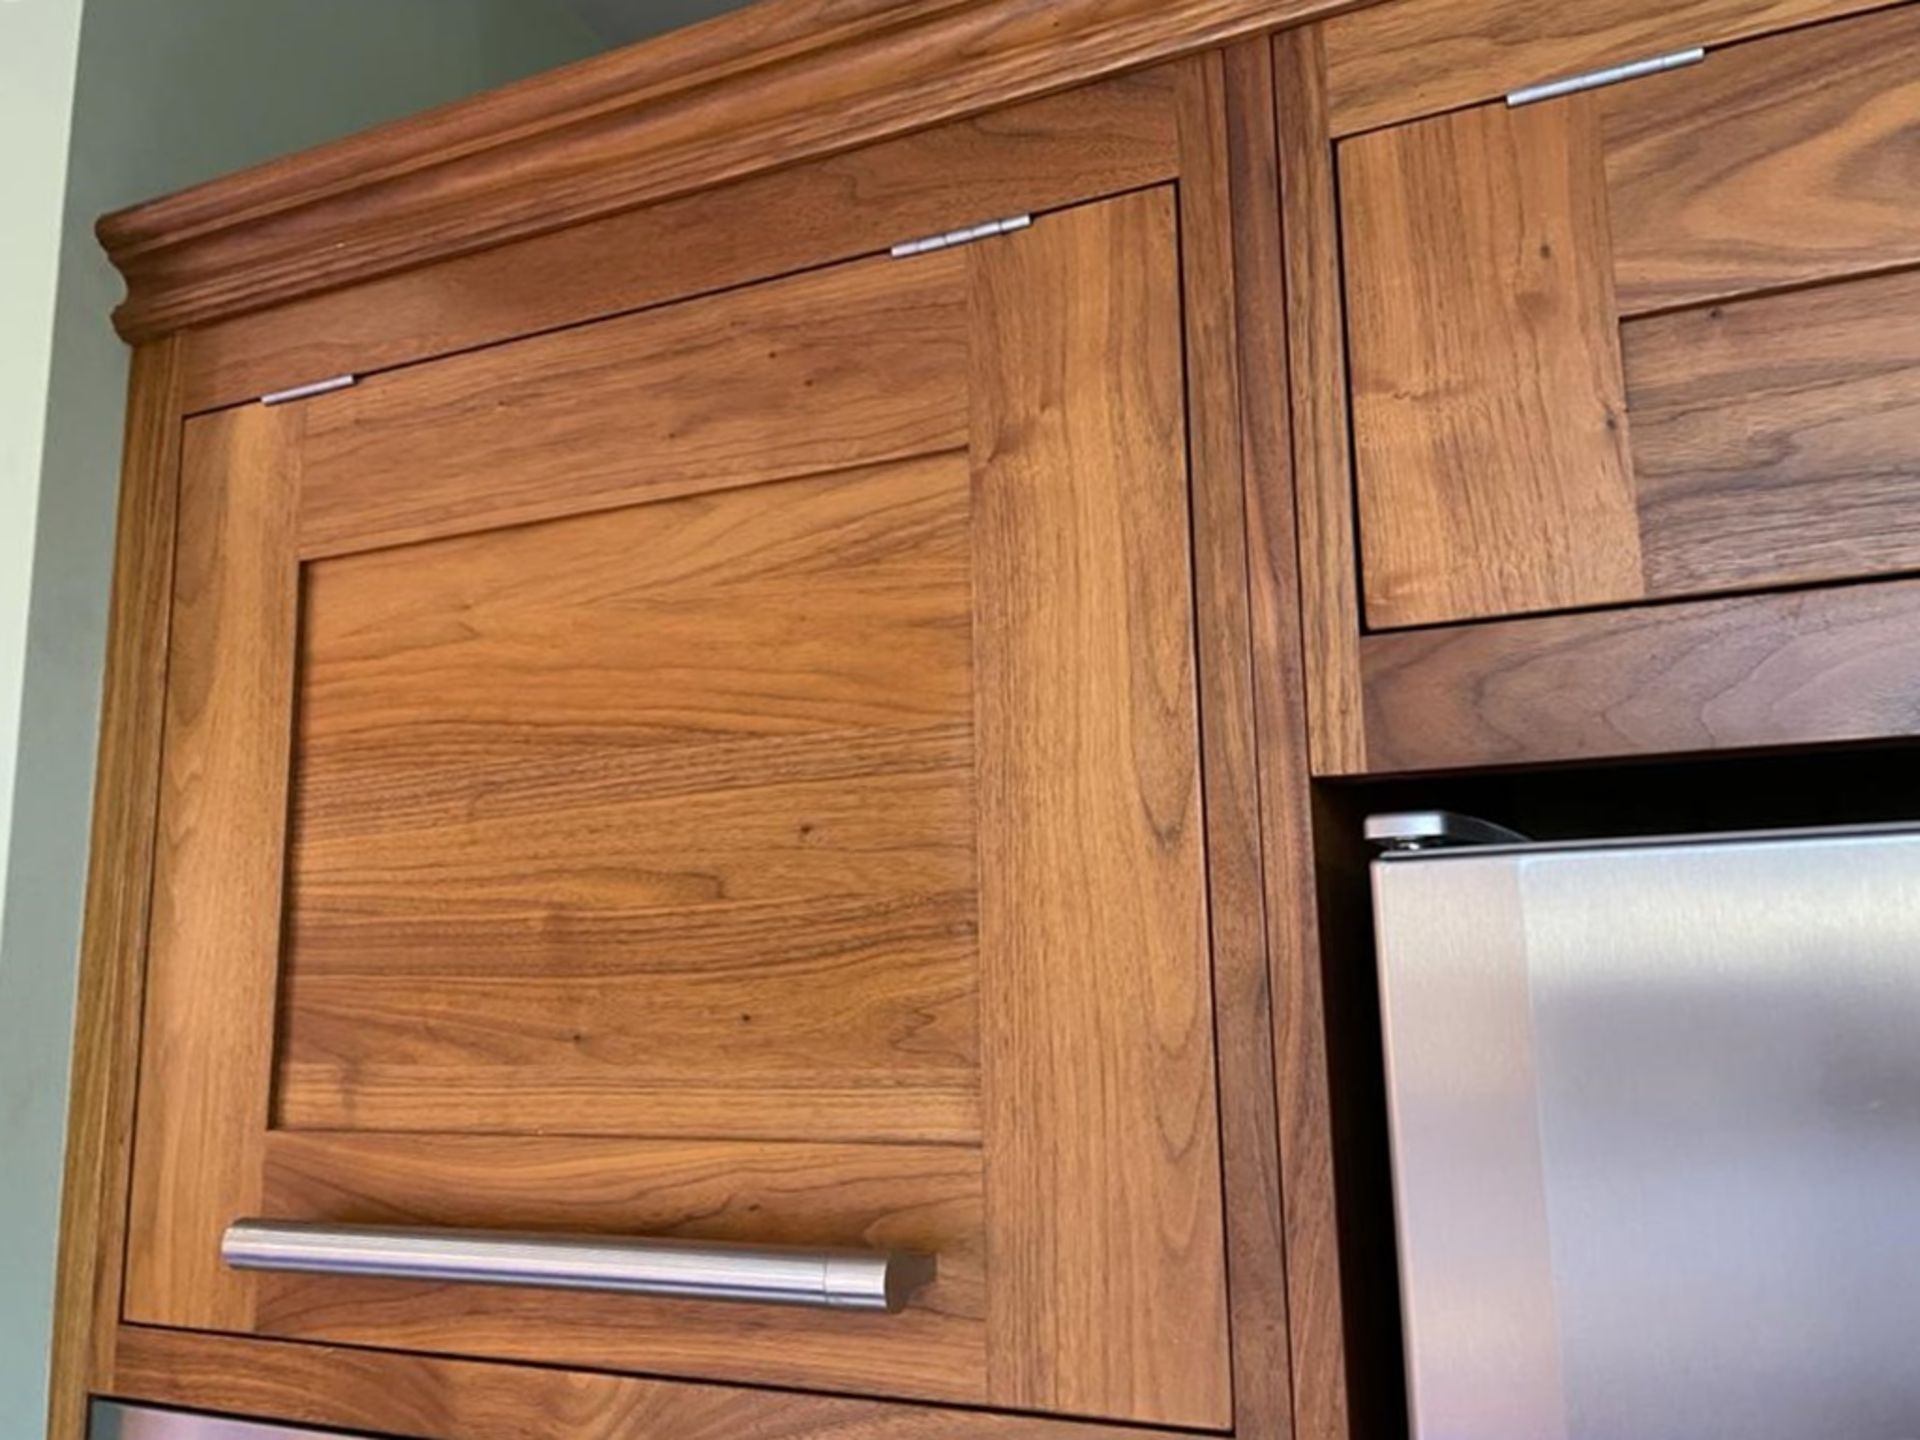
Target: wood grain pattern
1305, 662
1097, 140
838, 1019
1798, 668
881, 1196
841, 1020
847, 814
721, 678
125, 807
584, 804
717, 810
1777, 441
1390, 63
1230, 257
1103, 1190
1489, 416
1317, 385
856, 365
428, 1399
830, 603
214, 945
790, 82
1780, 162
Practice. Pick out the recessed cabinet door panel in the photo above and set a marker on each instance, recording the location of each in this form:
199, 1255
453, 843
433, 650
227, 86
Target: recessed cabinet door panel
729, 773
586, 805
1737, 231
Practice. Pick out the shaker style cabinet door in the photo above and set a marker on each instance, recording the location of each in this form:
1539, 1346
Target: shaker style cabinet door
1651, 340
729, 772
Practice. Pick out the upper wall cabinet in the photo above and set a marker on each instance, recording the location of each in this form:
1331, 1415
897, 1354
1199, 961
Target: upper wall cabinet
730, 772
1648, 340
724, 721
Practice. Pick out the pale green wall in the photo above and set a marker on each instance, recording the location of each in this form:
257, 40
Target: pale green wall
168, 92
39, 54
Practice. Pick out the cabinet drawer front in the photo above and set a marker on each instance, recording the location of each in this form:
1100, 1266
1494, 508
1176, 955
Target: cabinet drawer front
1650, 340
730, 774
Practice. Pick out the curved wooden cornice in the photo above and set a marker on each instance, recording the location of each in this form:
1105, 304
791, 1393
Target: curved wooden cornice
779, 82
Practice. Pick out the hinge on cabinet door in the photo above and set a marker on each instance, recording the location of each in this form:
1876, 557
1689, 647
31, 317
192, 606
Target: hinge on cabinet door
967, 236
1612, 75
305, 392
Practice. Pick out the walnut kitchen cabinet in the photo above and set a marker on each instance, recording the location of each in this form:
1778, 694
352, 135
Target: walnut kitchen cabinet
721, 716
1647, 340
1625, 303
662, 702
750, 642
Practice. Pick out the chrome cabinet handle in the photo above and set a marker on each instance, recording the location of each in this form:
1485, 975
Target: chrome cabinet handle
832, 1279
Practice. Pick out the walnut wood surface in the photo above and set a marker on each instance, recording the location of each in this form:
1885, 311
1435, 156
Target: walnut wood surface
1100, 139
125, 803
1317, 386
1103, 1191
730, 824
424, 1398
1777, 441
1488, 407
861, 580
1395, 62
838, 1018
1228, 188
1796, 668
1307, 677
414, 642
1778, 162
785, 82
584, 804
880, 1196
866, 983
1496, 473
206, 1047
850, 366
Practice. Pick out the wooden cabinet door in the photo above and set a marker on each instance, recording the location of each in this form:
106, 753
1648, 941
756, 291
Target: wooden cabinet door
730, 771
1656, 339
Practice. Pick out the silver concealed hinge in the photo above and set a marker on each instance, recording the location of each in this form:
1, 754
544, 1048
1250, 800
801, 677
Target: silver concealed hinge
961, 237
1612, 75
304, 392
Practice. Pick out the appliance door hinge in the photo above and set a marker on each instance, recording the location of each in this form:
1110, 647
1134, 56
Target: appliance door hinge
966, 236
1611, 75
1403, 831
307, 392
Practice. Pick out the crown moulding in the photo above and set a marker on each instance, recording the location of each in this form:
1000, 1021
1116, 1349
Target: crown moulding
771, 85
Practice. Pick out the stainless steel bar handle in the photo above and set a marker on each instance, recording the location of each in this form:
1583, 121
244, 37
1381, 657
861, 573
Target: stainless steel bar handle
832, 1279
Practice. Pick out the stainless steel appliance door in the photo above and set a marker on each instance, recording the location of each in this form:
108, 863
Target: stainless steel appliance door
113, 1421
1656, 1131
